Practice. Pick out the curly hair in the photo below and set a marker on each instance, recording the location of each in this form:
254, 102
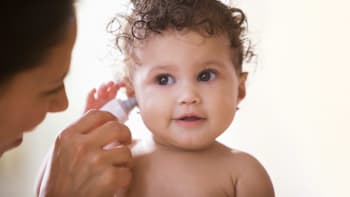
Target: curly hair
207, 17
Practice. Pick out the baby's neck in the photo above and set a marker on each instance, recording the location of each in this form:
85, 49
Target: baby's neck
158, 145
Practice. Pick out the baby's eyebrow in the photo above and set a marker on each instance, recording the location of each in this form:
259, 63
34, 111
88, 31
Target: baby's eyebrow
212, 62
165, 67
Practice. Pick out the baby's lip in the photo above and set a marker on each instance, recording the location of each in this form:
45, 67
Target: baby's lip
189, 117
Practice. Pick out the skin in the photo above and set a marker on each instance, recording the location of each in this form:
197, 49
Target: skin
106, 92
34, 93
187, 95
184, 94
77, 165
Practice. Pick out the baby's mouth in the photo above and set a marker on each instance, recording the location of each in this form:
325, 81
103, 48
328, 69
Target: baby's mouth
190, 118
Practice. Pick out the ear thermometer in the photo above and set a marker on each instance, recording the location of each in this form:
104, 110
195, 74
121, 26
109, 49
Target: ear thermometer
120, 109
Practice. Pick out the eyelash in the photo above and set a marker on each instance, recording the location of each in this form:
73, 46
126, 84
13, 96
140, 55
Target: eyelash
160, 79
163, 79
212, 73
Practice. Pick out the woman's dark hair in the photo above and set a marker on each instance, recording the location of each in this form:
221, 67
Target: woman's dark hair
207, 17
29, 29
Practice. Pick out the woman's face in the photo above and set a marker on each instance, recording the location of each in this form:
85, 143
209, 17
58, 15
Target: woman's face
33, 93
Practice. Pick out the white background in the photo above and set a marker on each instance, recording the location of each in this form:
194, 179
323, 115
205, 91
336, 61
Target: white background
295, 118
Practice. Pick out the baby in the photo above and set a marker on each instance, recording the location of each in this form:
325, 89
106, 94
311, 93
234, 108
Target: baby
184, 66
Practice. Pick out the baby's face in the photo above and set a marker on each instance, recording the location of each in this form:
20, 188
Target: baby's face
186, 87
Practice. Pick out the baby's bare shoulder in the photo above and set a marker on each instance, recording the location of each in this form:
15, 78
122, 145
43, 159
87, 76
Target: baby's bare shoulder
243, 158
249, 175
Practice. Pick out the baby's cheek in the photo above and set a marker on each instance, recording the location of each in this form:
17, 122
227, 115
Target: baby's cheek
154, 111
225, 111
150, 108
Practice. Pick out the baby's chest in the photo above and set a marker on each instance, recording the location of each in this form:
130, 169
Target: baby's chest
181, 180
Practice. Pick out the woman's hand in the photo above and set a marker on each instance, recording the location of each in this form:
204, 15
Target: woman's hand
79, 166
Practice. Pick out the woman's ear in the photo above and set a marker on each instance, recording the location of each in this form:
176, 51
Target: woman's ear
242, 86
129, 87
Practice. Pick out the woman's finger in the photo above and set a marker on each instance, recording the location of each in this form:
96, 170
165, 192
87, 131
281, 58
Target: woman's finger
109, 132
88, 122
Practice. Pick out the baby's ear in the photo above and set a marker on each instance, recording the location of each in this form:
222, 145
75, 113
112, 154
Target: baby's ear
242, 86
129, 87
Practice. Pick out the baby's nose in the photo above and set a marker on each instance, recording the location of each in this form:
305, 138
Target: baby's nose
189, 95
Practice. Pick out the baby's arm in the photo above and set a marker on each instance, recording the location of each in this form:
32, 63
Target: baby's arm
253, 180
106, 92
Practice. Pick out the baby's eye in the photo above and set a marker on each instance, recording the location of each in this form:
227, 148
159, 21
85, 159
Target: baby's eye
207, 75
165, 79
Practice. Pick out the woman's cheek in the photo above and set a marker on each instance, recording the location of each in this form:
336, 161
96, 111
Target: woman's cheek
34, 118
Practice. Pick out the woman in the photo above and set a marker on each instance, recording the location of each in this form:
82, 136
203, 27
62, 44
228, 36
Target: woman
37, 38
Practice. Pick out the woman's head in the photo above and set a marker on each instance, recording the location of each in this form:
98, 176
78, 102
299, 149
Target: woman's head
30, 28
208, 17
38, 37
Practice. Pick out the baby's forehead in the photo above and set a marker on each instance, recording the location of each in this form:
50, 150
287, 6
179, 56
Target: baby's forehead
198, 47
186, 36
